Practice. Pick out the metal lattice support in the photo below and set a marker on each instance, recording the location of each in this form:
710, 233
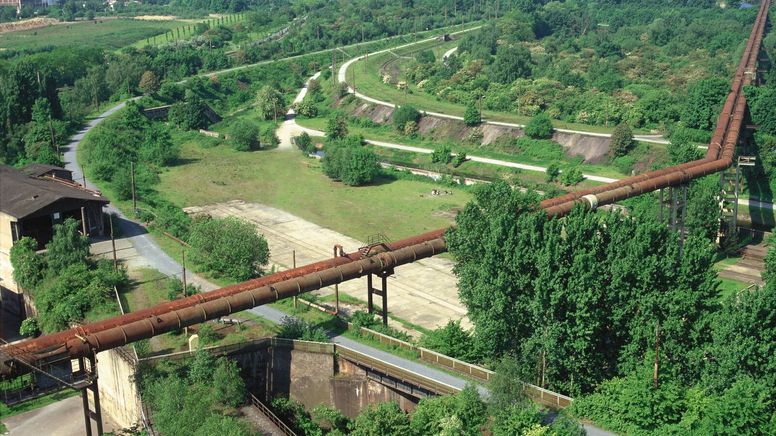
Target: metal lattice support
382, 292
730, 189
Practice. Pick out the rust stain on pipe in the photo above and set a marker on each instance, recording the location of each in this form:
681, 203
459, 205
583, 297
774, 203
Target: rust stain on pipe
121, 330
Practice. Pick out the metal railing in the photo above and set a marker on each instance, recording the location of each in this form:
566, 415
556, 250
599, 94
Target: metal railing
266, 411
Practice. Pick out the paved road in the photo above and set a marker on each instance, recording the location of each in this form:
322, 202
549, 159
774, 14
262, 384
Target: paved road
342, 74
138, 235
63, 418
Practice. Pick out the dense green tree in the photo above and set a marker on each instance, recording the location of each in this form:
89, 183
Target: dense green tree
189, 114
452, 340
433, 413
592, 286
28, 266
305, 143
382, 419
442, 154
744, 340
539, 127
228, 384
68, 246
347, 160
244, 135
270, 103
149, 83
572, 176
472, 116
704, 101
403, 115
229, 247
337, 126
621, 141
512, 62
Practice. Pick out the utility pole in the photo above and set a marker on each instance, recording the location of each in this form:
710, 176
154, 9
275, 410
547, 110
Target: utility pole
113, 242
134, 199
185, 288
657, 355
293, 253
83, 220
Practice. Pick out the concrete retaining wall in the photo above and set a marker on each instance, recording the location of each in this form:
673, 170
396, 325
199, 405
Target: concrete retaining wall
119, 397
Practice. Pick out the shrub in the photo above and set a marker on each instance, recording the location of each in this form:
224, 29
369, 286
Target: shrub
244, 135
350, 162
539, 127
29, 327
294, 328
305, 143
172, 219
411, 128
472, 116
307, 108
207, 335
28, 266
229, 247
552, 173
622, 141
404, 114
441, 154
624, 164
459, 159
572, 176
337, 126
269, 138
452, 340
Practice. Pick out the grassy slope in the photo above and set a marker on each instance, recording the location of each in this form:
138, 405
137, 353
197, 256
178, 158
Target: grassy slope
370, 83
105, 34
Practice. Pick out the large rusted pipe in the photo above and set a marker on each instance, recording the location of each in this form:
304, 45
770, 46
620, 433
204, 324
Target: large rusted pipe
83, 344
146, 323
719, 155
54, 341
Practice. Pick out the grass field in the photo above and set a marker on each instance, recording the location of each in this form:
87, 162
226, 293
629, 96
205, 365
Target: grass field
291, 182
102, 33
369, 82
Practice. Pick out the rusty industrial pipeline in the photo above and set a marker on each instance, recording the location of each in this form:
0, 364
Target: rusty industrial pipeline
114, 332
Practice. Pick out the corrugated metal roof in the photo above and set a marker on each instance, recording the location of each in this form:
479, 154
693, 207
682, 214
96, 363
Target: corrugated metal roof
22, 195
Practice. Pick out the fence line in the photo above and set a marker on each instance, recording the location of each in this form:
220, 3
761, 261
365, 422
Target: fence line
255, 402
538, 394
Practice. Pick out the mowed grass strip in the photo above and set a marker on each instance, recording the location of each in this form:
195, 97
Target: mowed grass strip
289, 181
101, 33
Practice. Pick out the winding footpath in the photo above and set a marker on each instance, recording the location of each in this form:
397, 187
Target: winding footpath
342, 77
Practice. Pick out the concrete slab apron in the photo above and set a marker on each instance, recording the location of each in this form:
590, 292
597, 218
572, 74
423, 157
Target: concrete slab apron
424, 293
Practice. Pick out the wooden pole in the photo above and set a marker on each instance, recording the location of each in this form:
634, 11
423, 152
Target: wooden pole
293, 253
83, 220
657, 355
113, 242
134, 200
183, 262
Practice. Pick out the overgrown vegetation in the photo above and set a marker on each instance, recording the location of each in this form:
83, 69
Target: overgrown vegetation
67, 285
584, 304
196, 397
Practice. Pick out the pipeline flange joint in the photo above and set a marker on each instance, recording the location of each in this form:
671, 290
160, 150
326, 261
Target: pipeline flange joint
592, 201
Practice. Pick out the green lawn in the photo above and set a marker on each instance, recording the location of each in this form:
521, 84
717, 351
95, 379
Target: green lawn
102, 33
370, 83
291, 182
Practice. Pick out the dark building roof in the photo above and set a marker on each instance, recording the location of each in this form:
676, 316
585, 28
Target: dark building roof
38, 170
22, 195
